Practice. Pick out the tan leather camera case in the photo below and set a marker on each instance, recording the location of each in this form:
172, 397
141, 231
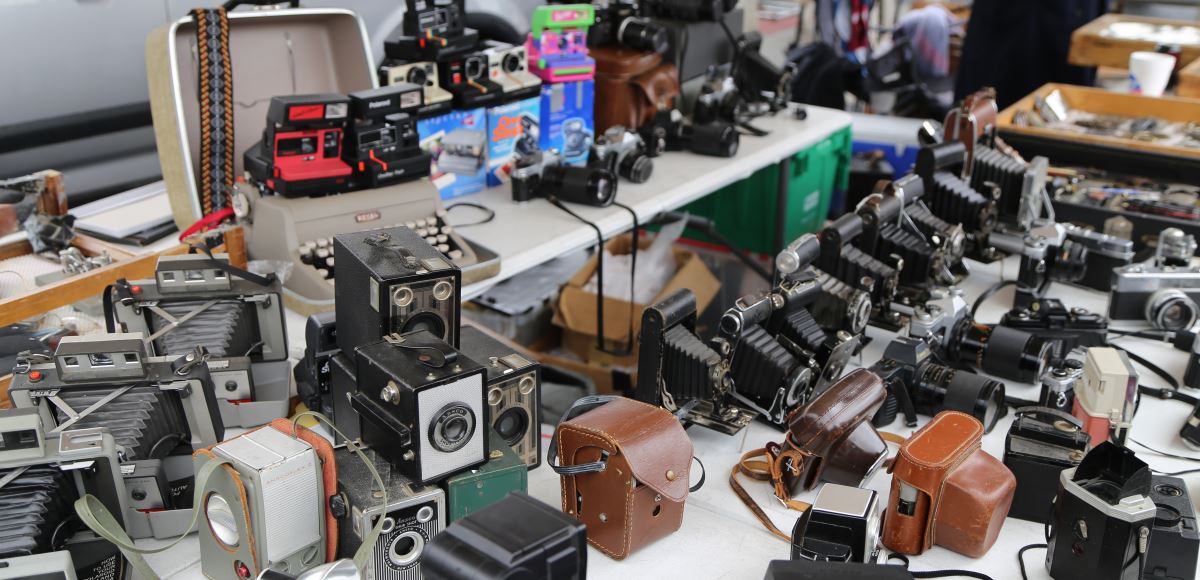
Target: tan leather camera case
635, 86
639, 496
963, 494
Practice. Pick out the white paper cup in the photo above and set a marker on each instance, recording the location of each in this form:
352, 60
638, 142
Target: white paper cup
1149, 72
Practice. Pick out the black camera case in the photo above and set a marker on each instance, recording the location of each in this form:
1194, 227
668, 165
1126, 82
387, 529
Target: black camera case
1041, 443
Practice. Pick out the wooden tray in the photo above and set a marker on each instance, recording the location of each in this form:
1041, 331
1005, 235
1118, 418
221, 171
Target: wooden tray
1189, 81
1108, 103
1090, 48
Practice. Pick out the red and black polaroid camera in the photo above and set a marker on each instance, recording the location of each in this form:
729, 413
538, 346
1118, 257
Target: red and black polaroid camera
301, 150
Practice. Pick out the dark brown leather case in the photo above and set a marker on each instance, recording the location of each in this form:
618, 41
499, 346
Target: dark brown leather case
632, 86
963, 494
639, 496
835, 436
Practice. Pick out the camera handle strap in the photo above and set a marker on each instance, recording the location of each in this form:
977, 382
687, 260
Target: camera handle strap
579, 407
766, 469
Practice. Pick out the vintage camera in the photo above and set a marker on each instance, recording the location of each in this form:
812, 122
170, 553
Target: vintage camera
423, 405
153, 406
1103, 517
1054, 252
517, 535
1018, 185
1174, 541
543, 174
508, 67
619, 23
677, 370
146, 486
668, 131
623, 153
435, 100
689, 10
197, 300
474, 489
931, 250
393, 281
946, 324
467, 78
841, 526
557, 43
514, 387
1064, 328
314, 373
432, 30
840, 306
952, 199
1041, 443
1163, 291
807, 570
762, 86
841, 259
1105, 394
918, 383
383, 145
463, 151
301, 149
413, 515
1059, 383
265, 509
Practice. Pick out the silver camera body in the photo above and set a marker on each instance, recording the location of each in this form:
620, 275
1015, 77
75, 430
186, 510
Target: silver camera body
1164, 291
508, 66
423, 74
413, 515
463, 151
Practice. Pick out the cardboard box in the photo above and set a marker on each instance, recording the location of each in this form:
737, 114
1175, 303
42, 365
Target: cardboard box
567, 121
609, 380
458, 143
508, 125
576, 312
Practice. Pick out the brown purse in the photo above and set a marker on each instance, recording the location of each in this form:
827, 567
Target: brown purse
631, 86
625, 468
946, 490
830, 439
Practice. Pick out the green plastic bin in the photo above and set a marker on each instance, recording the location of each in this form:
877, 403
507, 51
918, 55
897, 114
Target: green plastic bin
745, 211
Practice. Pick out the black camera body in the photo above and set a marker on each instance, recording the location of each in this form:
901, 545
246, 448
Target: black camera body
918, 383
1174, 541
392, 281
422, 404
1041, 443
467, 78
314, 373
623, 153
517, 536
514, 385
952, 199
1103, 517
620, 23
543, 174
383, 145
840, 305
433, 30
1065, 328
667, 131
1164, 291
841, 526
842, 259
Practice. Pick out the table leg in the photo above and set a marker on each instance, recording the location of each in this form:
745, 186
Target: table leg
781, 203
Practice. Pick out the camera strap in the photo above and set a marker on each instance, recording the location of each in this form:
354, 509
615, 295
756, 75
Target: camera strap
579, 407
215, 91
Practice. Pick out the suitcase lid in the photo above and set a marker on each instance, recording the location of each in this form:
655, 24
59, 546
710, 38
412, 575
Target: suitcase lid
273, 52
620, 61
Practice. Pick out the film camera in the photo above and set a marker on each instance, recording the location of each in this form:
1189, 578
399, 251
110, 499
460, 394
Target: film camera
432, 30
895, 223
543, 174
1103, 517
1174, 541
153, 405
840, 306
918, 383
412, 516
1053, 252
236, 316
619, 22
1041, 443
435, 100
1059, 383
668, 131
515, 536
462, 151
393, 281
301, 150
1064, 328
423, 405
1163, 291
508, 67
383, 144
678, 371
841, 526
946, 324
754, 86
468, 79
1105, 394
314, 373
952, 199
557, 43
513, 393
841, 259
623, 153
474, 489
44, 472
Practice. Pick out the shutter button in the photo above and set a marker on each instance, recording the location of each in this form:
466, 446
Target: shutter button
35, 376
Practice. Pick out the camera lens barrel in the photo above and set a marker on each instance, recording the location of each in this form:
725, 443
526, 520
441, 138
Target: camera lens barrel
714, 139
1171, 309
636, 167
583, 185
937, 388
1003, 351
643, 35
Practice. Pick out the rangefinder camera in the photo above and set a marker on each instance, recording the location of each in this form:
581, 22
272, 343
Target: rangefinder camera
622, 152
1164, 291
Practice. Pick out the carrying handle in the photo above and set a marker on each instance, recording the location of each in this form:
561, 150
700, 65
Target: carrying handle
1039, 411
230, 268
231, 4
579, 407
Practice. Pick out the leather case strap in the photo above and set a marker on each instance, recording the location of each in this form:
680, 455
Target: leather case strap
766, 469
576, 409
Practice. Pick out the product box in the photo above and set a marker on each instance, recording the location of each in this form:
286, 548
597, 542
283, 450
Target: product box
567, 122
458, 143
474, 489
512, 130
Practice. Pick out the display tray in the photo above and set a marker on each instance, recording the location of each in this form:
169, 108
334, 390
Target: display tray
1189, 81
1110, 39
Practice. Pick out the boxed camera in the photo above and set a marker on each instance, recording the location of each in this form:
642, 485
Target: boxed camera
567, 121
458, 143
577, 304
512, 131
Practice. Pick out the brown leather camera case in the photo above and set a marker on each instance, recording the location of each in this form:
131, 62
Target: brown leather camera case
639, 496
963, 494
631, 86
834, 434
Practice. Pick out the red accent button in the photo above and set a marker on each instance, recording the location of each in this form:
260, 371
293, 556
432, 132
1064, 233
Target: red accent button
35, 376
135, 289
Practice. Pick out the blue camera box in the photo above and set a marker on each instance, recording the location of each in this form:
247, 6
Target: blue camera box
458, 143
512, 132
567, 121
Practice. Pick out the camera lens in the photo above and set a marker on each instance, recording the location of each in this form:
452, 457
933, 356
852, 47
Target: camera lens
636, 167
474, 68
585, 185
643, 35
428, 321
512, 424
1171, 309
406, 548
452, 427
221, 520
937, 388
1005, 352
715, 139
417, 76
511, 63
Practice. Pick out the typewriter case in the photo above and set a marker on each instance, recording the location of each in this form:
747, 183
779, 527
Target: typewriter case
279, 52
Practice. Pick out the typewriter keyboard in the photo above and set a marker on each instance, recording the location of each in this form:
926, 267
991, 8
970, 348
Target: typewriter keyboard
318, 254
